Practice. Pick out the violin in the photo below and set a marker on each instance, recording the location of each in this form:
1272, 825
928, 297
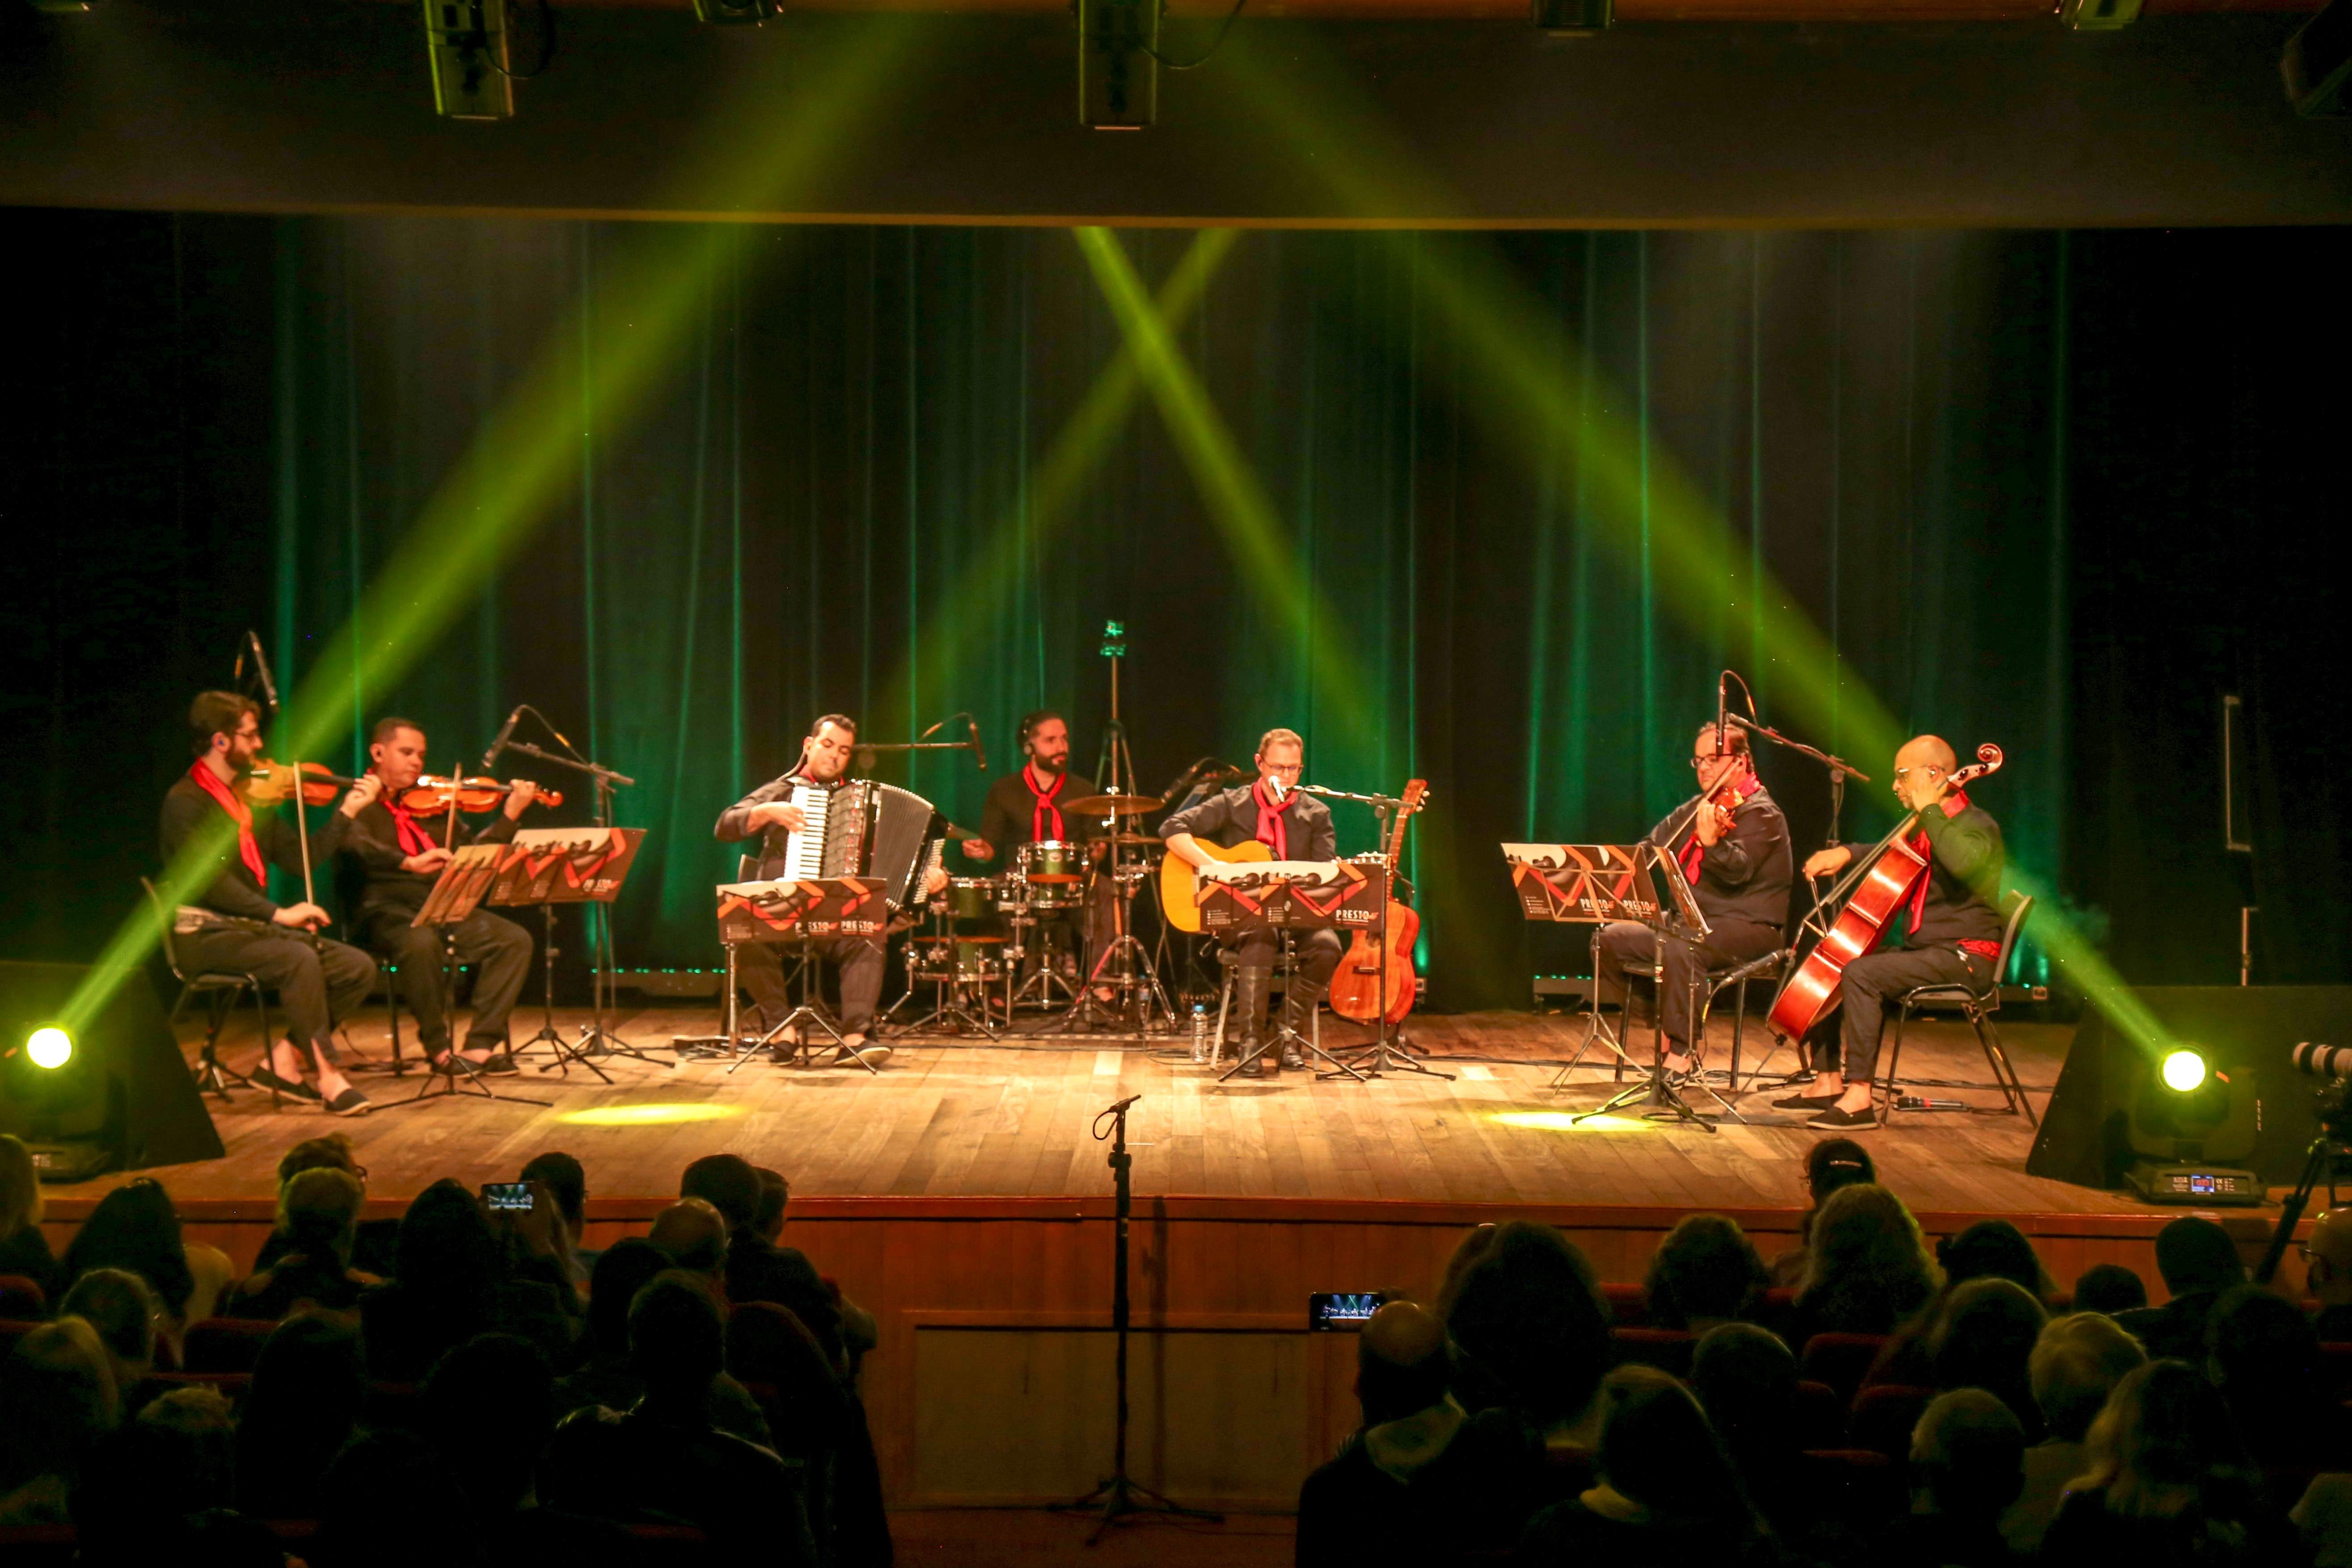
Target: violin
430, 795
274, 784
1725, 802
1883, 881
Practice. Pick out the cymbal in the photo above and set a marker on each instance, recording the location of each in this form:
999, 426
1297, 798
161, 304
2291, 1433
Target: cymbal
1137, 841
1112, 805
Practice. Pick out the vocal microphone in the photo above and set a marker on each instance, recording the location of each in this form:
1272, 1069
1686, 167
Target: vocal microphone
1277, 788
506, 732
1722, 713
260, 666
1123, 1104
974, 725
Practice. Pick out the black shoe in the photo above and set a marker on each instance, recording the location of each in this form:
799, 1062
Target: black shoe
292, 1088
1806, 1102
1293, 1057
497, 1064
1836, 1121
350, 1102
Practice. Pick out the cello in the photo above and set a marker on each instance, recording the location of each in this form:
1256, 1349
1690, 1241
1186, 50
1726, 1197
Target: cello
1882, 882
1356, 984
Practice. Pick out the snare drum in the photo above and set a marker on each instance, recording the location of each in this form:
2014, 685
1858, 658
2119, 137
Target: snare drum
1054, 862
971, 898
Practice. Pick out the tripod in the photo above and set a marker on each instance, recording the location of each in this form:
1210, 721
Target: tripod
2319, 1165
1663, 1102
563, 1051
1120, 1496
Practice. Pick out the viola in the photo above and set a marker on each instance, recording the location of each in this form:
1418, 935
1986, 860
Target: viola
1356, 985
430, 795
1882, 885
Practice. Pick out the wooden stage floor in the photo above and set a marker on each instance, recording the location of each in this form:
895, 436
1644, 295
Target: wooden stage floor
951, 1120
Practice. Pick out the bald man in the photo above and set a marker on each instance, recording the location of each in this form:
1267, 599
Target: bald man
1363, 1505
1950, 933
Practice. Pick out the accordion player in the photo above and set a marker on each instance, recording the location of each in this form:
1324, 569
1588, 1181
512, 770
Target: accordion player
816, 821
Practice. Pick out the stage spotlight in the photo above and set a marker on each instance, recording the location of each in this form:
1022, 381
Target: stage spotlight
1573, 17
466, 42
2098, 15
49, 1047
2190, 1126
1119, 75
731, 11
2183, 1071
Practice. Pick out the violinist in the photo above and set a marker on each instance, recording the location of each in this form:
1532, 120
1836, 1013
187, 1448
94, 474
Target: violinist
1950, 934
319, 983
1732, 844
391, 860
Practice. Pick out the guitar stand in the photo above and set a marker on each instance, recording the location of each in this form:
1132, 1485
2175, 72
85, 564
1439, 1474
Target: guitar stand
564, 1051
1390, 1050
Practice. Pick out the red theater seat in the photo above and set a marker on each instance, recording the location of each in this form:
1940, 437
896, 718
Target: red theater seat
223, 1344
1841, 1359
1883, 1415
1628, 1304
1669, 1350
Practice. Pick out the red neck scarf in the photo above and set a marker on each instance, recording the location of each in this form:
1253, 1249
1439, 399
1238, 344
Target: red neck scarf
414, 839
1694, 853
1273, 829
248, 849
1951, 805
1044, 812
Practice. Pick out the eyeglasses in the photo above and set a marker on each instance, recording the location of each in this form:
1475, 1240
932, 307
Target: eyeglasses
1286, 767
1700, 763
1931, 770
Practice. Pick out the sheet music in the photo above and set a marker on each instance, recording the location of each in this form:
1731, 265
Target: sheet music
1253, 873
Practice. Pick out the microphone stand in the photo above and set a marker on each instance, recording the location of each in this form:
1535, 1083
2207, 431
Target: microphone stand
594, 1037
1840, 770
1390, 1050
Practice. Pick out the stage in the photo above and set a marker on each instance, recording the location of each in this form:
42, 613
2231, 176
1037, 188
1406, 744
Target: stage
960, 1194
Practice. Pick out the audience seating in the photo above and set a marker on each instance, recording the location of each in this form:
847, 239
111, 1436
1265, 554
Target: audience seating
1628, 1303
1842, 1361
1863, 1488
1821, 1415
1883, 1415
223, 1344
21, 1298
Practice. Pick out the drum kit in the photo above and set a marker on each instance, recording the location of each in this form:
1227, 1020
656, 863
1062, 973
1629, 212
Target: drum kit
981, 976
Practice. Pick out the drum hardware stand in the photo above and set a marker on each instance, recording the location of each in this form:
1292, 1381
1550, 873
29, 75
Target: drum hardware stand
595, 1038
1045, 977
1120, 1496
1124, 967
564, 1051
950, 982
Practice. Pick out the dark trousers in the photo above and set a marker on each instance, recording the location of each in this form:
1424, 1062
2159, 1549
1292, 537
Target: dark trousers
760, 967
1319, 953
499, 950
318, 987
1630, 942
1866, 985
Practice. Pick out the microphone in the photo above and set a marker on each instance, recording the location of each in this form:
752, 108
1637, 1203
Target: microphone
1277, 788
1722, 737
974, 725
260, 666
506, 732
1123, 1104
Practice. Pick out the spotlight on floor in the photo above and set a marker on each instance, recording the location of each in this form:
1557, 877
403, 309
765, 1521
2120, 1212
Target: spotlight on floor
1573, 17
732, 12
466, 42
2317, 63
1118, 76
2188, 1126
49, 1047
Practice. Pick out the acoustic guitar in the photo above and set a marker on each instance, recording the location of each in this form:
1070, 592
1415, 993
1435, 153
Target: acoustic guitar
1180, 883
1356, 984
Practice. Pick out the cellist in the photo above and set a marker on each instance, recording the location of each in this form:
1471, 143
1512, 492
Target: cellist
1950, 933
1732, 844
319, 983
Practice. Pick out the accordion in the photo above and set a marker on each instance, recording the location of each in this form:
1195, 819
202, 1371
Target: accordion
860, 829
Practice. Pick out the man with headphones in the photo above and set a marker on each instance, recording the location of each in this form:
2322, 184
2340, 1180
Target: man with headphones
1027, 808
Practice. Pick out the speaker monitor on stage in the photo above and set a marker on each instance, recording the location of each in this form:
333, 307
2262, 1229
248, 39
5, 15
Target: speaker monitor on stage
2235, 1121
113, 1095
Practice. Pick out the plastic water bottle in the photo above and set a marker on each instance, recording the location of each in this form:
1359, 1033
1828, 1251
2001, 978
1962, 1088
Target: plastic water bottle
1200, 1033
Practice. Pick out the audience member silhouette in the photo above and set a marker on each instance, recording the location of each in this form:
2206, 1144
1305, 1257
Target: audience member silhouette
2109, 1288
58, 1394
135, 1227
1831, 1163
757, 1269
2263, 1355
1666, 1496
117, 1304
318, 1229
607, 1376
452, 1279
1704, 1273
159, 1488
2198, 1262
1983, 1339
391, 1500
2327, 1274
1867, 1271
1967, 1468
2167, 1481
309, 1385
566, 1180
2076, 1363
489, 1410
374, 1240
1746, 1380
1531, 1333
24, 1249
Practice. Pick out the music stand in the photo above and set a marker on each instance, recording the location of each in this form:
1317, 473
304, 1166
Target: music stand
1284, 897
457, 893
593, 1037
550, 866
1593, 884
796, 910
1675, 915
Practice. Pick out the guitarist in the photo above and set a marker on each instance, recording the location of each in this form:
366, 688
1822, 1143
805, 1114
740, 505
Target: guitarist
1951, 932
1737, 862
1294, 828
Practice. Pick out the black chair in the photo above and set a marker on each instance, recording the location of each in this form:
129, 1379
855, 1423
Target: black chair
1977, 1005
221, 991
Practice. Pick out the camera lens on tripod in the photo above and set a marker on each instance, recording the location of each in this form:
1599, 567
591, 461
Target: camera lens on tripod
2322, 1061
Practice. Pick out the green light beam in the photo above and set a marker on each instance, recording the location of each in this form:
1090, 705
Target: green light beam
1246, 519
1062, 475
524, 462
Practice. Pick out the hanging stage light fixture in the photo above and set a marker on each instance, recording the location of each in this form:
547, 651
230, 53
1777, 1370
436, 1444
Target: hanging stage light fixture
1118, 73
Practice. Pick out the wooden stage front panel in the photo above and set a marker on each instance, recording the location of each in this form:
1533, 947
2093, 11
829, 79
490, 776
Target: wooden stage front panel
960, 1195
